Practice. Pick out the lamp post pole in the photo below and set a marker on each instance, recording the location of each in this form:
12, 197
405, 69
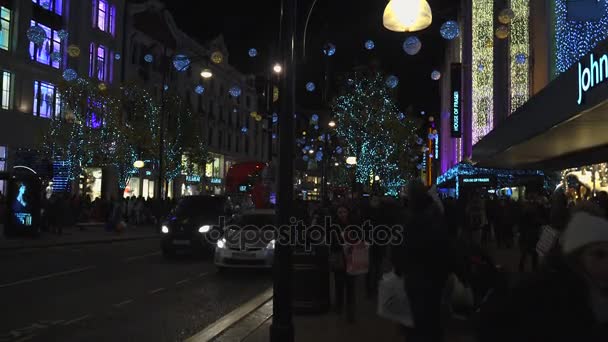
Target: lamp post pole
282, 329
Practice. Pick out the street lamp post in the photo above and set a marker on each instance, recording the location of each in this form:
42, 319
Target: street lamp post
281, 329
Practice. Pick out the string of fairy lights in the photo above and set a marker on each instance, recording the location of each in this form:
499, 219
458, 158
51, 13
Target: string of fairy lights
483, 68
519, 49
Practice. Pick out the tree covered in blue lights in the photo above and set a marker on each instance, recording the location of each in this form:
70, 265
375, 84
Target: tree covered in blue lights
375, 131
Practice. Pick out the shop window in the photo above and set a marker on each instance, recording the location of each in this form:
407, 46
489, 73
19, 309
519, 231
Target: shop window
7, 90
5, 25
42, 53
55, 6
47, 101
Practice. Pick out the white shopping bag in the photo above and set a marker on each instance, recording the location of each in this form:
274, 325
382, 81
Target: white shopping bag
393, 303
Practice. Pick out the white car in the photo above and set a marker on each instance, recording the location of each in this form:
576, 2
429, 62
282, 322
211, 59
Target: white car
248, 241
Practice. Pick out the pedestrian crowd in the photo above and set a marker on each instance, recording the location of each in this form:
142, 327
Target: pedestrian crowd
445, 265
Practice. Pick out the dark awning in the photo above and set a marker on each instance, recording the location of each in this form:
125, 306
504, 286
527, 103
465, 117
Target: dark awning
552, 130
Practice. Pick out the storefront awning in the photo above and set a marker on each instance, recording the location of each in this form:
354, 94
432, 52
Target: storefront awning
564, 125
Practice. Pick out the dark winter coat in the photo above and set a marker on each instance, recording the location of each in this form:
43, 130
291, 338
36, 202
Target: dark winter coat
552, 307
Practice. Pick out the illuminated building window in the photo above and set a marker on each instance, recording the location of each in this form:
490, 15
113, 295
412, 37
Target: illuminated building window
98, 62
483, 68
7, 87
47, 101
575, 38
50, 5
104, 16
519, 50
42, 53
5, 25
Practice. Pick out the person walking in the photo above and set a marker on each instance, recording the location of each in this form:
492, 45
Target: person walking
564, 303
476, 218
529, 233
344, 283
423, 260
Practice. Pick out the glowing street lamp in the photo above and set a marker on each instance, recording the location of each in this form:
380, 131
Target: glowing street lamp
332, 124
407, 15
138, 164
206, 73
277, 68
351, 160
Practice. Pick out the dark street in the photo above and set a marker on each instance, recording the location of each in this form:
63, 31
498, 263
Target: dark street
121, 291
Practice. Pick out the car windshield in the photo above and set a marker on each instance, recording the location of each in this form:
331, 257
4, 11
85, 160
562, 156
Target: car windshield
200, 206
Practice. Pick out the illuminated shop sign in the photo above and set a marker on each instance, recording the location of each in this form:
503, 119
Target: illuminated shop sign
594, 74
148, 173
193, 178
456, 101
476, 180
215, 181
243, 188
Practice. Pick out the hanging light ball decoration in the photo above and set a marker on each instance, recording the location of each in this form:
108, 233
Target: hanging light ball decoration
319, 156
253, 52
392, 81
181, 62
435, 75
253, 114
310, 87
480, 67
55, 56
166, 87
400, 116
244, 130
315, 118
73, 51
199, 89
102, 87
235, 91
431, 119
69, 75
449, 30
117, 56
412, 45
275, 94
407, 15
520, 58
36, 35
217, 57
502, 32
317, 127
149, 58
419, 166
419, 141
275, 117
329, 49
305, 158
63, 34
258, 118
370, 45
506, 16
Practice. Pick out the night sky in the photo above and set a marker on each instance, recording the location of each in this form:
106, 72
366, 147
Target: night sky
345, 23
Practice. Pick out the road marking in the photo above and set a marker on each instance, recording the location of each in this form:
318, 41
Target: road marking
219, 326
30, 280
76, 320
133, 258
156, 291
128, 301
203, 274
182, 281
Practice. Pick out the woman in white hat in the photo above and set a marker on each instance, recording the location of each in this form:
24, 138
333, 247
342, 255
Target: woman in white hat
565, 302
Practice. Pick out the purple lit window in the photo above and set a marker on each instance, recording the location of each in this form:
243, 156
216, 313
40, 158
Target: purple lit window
50, 5
94, 121
101, 63
101, 15
47, 102
92, 60
112, 20
42, 53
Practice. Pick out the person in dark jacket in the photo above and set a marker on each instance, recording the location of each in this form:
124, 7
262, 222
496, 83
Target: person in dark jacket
344, 283
423, 260
529, 230
567, 302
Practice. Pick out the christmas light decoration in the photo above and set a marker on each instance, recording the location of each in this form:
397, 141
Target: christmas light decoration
407, 15
56, 56
217, 57
310, 87
329, 49
370, 45
181, 62
36, 35
506, 15
253, 52
275, 118
450, 30
62, 34
315, 118
412, 45
199, 89
435, 75
235, 91
149, 58
73, 51
69, 75
392, 81
117, 56
483, 80
519, 48
575, 38
502, 32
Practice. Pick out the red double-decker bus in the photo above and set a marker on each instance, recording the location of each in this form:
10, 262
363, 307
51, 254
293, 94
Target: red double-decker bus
250, 180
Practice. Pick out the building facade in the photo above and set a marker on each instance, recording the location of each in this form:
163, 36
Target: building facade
32, 62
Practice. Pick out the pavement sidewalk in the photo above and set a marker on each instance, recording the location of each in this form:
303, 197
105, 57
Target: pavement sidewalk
77, 235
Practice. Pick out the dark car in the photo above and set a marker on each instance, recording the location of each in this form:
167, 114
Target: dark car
195, 224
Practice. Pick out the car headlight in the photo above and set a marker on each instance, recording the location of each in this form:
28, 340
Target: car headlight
204, 229
270, 245
165, 230
221, 243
